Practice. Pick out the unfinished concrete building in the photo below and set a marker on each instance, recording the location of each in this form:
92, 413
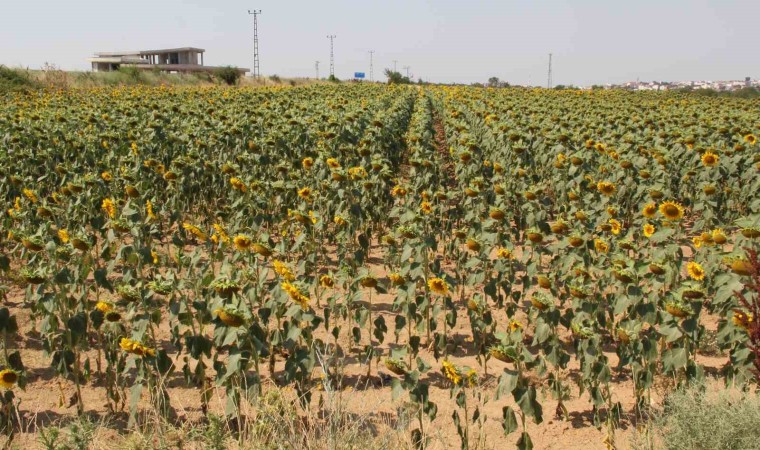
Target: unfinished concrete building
179, 60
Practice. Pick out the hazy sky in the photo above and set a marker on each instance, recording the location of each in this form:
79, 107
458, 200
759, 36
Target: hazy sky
593, 41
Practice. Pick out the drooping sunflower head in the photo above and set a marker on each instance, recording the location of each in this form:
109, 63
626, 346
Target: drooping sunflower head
710, 159
606, 188
695, 271
451, 372
671, 210
601, 246
326, 281
649, 211
438, 286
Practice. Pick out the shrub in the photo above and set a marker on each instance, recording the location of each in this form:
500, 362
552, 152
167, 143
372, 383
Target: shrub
704, 418
275, 78
228, 74
15, 79
131, 72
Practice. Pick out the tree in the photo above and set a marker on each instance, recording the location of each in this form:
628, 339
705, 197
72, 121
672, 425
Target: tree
228, 74
396, 78
494, 82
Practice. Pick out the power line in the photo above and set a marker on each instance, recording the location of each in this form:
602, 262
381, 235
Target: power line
256, 69
316, 67
371, 65
332, 37
549, 77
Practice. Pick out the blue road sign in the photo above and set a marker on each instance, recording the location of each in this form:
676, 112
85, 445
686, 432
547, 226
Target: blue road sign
358, 74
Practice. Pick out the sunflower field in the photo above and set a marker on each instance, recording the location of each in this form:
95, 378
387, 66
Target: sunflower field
515, 248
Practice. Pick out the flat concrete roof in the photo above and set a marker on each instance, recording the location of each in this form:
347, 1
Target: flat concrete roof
151, 52
172, 50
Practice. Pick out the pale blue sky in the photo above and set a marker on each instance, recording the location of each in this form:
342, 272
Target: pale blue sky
593, 41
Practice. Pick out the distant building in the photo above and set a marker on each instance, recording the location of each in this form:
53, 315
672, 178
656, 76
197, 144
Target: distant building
747, 82
184, 59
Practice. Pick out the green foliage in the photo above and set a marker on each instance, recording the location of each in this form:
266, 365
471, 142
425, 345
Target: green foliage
702, 418
230, 75
396, 77
131, 72
15, 79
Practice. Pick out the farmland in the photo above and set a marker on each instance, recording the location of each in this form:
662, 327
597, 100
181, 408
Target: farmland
477, 266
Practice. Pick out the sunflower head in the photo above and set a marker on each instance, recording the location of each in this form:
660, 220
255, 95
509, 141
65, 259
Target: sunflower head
438, 286
649, 230
671, 210
710, 159
606, 188
695, 271
8, 378
242, 242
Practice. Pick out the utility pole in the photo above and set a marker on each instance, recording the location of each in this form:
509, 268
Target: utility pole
332, 37
394, 65
407, 70
549, 77
316, 67
371, 66
256, 69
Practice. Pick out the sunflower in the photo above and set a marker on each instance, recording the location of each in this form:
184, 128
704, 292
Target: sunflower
438, 286
30, 195
671, 210
697, 241
601, 246
616, 227
339, 220
398, 191
238, 184
195, 231
135, 348
710, 159
719, 236
333, 163
307, 162
396, 279
305, 193
357, 173
295, 294
326, 281
230, 316
283, 270
504, 253
695, 271
451, 372
149, 210
109, 207
8, 378
649, 230
242, 242
106, 176
221, 234
103, 307
750, 139
63, 235
606, 188
649, 211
